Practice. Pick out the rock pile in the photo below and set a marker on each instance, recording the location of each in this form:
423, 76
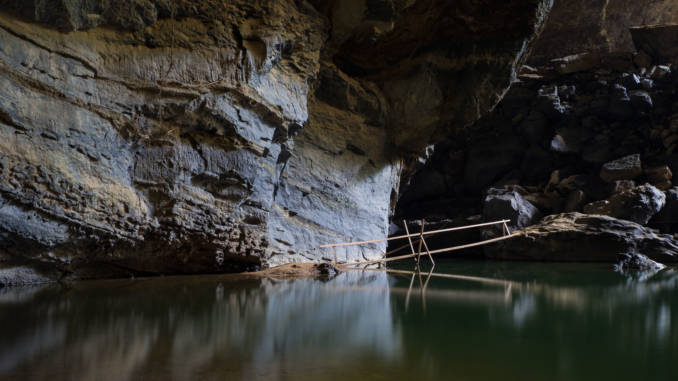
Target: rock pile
589, 133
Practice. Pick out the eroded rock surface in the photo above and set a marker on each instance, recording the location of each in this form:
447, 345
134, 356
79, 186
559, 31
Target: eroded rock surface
182, 137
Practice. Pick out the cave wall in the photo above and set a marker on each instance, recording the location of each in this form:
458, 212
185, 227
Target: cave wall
157, 137
576, 26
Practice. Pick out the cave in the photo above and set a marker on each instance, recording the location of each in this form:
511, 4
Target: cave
258, 189
174, 137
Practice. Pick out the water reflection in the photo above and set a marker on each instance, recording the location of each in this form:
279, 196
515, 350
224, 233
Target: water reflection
559, 322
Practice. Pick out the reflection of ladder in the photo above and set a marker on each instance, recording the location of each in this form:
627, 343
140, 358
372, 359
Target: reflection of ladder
420, 241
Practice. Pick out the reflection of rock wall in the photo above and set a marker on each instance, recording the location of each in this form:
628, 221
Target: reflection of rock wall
130, 331
353, 326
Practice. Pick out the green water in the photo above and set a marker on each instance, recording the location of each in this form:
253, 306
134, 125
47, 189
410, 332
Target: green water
554, 322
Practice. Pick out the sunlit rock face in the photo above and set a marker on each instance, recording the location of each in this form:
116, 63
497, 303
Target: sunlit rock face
156, 137
576, 26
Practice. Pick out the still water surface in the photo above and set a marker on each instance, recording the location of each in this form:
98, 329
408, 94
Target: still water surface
551, 322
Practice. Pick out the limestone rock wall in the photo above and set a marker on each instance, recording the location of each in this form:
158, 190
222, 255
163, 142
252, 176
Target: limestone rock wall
157, 136
576, 26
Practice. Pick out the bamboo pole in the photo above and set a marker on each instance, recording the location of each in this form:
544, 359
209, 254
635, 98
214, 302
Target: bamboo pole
500, 282
421, 240
409, 292
428, 252
454, 248
413, 235
407, 230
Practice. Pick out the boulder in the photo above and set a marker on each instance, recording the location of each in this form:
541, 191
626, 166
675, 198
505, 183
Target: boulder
576, 237
639, 204
630, 81
635, 261
625, 168
508, 204
641, 100
622, 186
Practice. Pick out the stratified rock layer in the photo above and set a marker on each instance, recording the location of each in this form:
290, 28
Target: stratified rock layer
208, 136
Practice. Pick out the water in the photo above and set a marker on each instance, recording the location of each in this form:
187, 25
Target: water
554, 322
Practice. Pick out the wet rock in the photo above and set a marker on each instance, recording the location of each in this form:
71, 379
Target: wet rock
634, 261
585, 238
625, 168
639, 204
327, 270
13, 276
508, 204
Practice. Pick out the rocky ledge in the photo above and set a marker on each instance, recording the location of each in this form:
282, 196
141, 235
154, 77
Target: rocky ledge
577, 237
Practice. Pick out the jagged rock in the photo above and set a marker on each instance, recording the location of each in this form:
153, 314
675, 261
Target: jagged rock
625, 168
585, 238
639, 204
508, 204
634, 261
